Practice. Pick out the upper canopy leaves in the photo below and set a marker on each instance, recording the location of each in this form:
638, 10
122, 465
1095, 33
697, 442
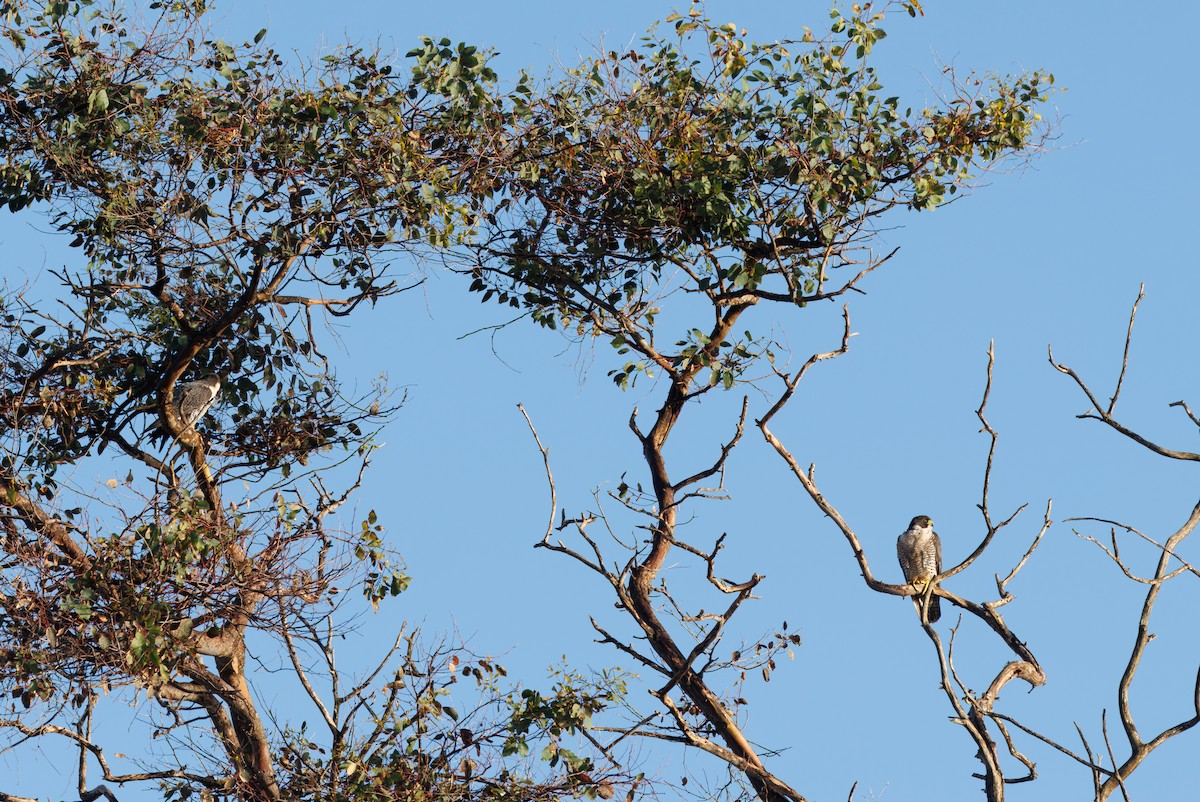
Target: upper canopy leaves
219, 200
736, 170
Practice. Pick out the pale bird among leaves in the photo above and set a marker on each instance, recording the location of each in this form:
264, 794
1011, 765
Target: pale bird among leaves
192, 399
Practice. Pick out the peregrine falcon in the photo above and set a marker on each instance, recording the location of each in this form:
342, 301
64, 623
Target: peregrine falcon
192, 399
920, 553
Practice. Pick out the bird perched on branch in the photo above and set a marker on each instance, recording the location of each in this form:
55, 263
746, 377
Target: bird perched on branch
192, 399
920, 553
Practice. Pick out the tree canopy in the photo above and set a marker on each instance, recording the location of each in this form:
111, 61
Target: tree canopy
683, 202
221, 205
662, 199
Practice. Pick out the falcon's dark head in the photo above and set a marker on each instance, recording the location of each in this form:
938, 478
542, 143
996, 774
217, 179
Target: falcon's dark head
920, 522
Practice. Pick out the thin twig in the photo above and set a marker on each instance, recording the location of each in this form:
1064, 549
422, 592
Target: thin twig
549, 476
1108, 745
1187, 410
1112, 403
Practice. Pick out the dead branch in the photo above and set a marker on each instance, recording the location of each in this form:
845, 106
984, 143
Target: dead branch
984, 508
1187, 411
971, 719
1104, 415
549, 476
1030, 766
1050, 742
1139, 748
719, 465
1002, 584
1111, 757
1112, 402
974, 716
1115, 553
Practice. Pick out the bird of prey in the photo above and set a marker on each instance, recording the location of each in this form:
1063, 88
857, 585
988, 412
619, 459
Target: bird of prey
192, 399
920, 553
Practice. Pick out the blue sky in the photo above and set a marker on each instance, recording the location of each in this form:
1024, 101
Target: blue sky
1052, 253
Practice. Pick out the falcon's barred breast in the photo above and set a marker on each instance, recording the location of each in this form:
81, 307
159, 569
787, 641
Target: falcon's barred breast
920, 553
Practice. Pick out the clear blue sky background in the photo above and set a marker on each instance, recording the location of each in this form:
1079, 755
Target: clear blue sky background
1051, 254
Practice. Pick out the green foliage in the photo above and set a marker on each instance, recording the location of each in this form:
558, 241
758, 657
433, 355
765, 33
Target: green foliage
133, 611
216, 201
219, 199
384, 578
705, 166
440, 750
569, 709
460, 74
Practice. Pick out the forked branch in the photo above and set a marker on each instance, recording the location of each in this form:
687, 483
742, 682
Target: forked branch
1140, 747
1105, 414
974, 714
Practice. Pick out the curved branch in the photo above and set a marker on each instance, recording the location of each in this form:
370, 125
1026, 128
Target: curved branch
1139, 748
719, 465
549, 476
1104, 415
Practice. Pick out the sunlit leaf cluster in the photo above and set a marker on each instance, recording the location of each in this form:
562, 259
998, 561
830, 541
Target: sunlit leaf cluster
705, 163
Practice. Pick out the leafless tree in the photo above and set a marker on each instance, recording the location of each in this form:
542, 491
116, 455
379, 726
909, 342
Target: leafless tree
971, 711
1171, 565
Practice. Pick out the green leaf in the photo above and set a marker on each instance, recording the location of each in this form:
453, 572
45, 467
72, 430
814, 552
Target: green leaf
98, 100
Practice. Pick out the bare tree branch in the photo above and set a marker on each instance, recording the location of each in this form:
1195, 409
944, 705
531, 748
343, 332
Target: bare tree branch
1112, 403
1104, 415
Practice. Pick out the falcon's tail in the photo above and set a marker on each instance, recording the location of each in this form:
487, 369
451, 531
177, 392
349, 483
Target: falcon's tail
935, 607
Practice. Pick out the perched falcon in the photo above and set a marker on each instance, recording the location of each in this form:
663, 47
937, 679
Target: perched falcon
920, 553
192, 399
